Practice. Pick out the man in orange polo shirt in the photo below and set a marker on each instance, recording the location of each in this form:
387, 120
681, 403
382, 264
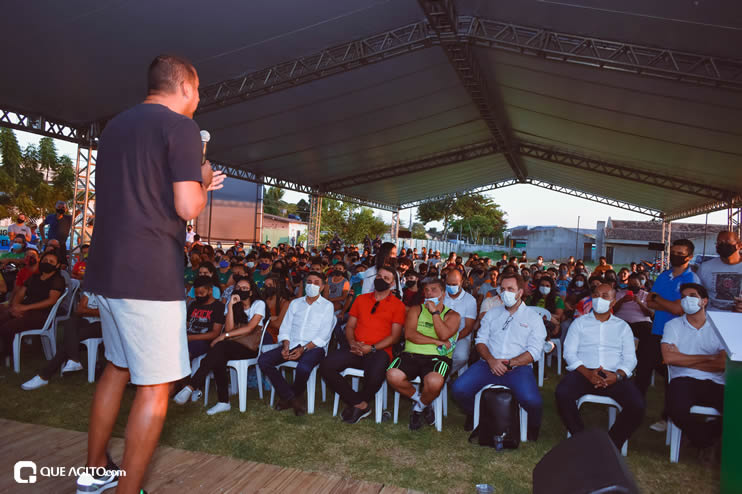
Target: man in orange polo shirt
374, 326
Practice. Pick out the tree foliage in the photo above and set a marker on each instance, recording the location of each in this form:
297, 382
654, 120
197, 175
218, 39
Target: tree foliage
350, 222
418, 231
23, 187
475, 216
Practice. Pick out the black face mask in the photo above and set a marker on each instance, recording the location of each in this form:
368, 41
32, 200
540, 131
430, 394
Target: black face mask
676, 261
725, 249
201, 300
243, 294
380, 285
20, 221
60, 210
46, 268
269, 291
410, 283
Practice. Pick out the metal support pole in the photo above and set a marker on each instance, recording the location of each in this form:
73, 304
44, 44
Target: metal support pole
211, 208
734, 220
667, 242
395, 226
258, 214
315, 220
83, 207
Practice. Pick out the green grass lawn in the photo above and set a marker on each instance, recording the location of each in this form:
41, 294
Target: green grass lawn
425, 460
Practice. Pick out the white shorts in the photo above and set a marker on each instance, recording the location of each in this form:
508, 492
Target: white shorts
148, 337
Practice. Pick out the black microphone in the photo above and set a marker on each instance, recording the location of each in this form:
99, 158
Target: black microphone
205, 138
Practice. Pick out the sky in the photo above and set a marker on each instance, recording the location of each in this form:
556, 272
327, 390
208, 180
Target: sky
523, 204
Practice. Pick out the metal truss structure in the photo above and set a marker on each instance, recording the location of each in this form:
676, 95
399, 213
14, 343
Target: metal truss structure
315, 220
666, 242
710, 207
573, 160
445, 158
442, 17
603, 54
38, 124
340, 58
394, 230
83, 206
734, 220
476, 190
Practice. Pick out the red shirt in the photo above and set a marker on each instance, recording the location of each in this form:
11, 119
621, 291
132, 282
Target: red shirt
372, 328
24, 274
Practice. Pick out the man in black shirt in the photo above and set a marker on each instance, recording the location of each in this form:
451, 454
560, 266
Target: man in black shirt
205, 318
149, 182
31, 303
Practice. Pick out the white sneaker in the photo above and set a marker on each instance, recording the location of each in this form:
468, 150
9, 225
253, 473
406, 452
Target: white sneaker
219, 408
34, 383
182, 397
71, 366
659, 426
196, 395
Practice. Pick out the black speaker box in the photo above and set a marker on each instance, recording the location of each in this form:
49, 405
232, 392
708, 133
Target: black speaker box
586, 463
656, 246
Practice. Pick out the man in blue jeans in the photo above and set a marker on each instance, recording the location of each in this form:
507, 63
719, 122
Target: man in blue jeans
304, 333
510, 339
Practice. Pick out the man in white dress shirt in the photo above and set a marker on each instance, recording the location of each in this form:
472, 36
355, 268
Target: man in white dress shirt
696, 360
466, 306
304, 333
600, 355
510, 338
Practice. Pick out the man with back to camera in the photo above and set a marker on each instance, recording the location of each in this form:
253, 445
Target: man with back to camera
150, 181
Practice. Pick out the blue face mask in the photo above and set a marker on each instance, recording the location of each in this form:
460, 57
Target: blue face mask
622, 285
224, 264
434, 300
452, 289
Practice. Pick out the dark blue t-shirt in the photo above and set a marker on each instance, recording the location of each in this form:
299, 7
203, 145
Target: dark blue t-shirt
137, 247
59, 228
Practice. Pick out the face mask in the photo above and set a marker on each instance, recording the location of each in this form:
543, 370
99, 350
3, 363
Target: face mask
335, 261
20, 221
601, 305
201, 300
563, 272
381, 285
46, 268
434, 300
623, 285
312, 290
269, 291
725, 249
17, 247
263, 266
579, 283
250, 264
410, 283
355, 279
452, 289
676, 261
690, 305
224, 264
545, 290
509, 298
60, 210
634, 289
642, 281
244, 294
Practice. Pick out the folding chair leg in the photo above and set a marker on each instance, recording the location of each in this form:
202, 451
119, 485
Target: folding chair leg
242, 385
17, 353
311, 391
396, 406
259, 374
92, 358
523, 424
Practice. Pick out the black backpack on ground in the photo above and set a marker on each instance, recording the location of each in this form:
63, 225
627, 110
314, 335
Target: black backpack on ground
499, 420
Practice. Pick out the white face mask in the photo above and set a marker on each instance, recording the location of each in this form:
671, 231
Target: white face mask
509, 298
690, 305
250, 264
312, 290
601, 305
545, 290
579, 283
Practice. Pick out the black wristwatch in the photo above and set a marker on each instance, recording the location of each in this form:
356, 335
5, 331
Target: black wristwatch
373, 348
436, 313
619, 377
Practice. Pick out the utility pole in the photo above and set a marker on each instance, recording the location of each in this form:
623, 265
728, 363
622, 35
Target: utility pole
577, 240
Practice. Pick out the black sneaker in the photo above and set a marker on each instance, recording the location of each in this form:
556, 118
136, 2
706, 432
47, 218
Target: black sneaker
346, 413
469, 423
416, 420
357, 414
429, 415
87, 483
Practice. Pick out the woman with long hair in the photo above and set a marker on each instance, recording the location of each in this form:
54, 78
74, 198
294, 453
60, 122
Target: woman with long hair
240, 340
387, 256
547, 296
277, 298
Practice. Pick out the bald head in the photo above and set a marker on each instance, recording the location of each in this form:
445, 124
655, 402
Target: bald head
604, 290
728, 237
453, 277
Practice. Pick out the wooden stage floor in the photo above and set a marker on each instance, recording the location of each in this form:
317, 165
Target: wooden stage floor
172, 470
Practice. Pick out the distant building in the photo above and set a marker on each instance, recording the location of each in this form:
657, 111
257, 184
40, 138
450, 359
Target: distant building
623, 242
551, 242
278, 229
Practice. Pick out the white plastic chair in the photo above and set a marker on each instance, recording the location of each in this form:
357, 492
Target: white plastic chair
542, 313
439, 404
47, 334
311, 382
523, 415
380, 397
675, 433
92, 345
241, 368
612, 407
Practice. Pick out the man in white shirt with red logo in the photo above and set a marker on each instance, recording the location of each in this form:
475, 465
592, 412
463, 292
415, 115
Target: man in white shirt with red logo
600, 355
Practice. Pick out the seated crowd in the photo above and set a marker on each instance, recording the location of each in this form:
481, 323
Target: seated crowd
416, 321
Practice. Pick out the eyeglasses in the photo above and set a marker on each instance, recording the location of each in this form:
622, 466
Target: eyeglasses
507, 323
376, 305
